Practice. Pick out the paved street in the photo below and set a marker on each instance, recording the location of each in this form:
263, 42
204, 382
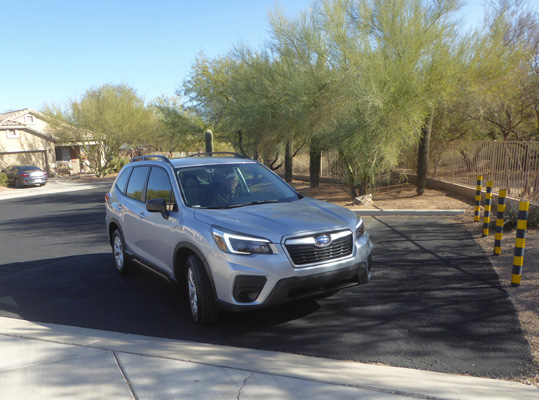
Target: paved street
434, 302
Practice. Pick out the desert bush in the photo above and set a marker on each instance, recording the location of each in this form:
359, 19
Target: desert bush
511, 218
3, 179
117, 164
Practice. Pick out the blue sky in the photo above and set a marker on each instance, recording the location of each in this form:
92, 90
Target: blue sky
54, 50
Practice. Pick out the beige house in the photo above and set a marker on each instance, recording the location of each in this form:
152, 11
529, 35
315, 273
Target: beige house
25, 140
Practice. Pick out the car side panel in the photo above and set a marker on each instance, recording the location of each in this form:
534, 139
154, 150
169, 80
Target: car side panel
157, 239
130, 212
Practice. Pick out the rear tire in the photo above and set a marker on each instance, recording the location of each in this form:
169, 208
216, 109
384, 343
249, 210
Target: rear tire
203, 307
17, 183
121, 262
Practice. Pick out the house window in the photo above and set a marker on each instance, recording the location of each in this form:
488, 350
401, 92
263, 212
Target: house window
29, 119
12, 134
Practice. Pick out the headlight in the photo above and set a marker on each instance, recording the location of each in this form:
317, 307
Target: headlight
360, 228
238, 244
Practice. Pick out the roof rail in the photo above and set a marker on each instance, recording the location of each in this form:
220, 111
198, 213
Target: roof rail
210, 154
151, 157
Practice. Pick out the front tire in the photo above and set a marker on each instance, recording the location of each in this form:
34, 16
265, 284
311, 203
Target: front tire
203, 307
121, 262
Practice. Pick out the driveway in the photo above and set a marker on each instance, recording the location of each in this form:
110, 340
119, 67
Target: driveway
435, 302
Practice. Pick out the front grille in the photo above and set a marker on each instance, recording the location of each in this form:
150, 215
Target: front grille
308, 253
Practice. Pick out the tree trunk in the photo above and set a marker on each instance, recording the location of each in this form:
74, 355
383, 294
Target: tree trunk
315, 158
350, 181
288, 162
423, 155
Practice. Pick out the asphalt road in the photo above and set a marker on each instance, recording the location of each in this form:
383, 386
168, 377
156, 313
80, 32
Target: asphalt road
434, 303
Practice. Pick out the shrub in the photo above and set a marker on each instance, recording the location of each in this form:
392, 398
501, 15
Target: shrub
3, 179
117, 164
511, 218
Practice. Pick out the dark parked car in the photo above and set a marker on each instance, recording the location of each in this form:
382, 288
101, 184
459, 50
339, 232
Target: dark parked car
25, 175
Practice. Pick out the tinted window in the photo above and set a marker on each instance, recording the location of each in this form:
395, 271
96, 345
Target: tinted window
137, 181
159, 187
231, 185
121, 182
29, 168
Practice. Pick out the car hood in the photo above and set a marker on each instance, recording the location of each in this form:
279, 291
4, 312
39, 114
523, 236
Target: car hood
275, 220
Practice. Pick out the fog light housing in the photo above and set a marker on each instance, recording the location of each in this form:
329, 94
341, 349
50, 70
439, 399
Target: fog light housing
248, 287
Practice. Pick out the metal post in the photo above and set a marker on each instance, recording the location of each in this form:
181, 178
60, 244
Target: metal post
500, 216
478, 198
518, 259
488, 205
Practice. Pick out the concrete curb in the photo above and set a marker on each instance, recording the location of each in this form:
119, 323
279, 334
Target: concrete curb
381, 381
412, 213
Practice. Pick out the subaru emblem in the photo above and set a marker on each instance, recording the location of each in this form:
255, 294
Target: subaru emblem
322, 240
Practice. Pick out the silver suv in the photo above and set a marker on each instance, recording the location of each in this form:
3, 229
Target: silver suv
233, 231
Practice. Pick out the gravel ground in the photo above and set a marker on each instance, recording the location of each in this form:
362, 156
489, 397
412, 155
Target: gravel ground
525, 297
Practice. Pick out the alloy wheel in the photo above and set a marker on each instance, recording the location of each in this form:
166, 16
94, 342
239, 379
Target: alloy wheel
193, 295
118, 252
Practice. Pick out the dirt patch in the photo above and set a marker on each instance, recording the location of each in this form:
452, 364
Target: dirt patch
87, 178
400, 196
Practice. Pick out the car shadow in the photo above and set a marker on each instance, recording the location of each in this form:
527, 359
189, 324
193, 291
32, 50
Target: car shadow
434, 303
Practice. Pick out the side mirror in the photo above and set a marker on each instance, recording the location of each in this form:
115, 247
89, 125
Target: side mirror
157, 205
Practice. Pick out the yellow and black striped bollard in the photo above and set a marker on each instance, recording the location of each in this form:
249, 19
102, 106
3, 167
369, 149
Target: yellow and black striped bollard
518, 259
477, 213
500, 216
488, 206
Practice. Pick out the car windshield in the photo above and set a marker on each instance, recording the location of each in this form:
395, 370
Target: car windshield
232, 185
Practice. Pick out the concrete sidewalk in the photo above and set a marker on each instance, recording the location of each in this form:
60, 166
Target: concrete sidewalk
48, 361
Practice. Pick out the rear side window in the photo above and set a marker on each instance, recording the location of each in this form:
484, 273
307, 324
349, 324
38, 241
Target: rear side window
121, 182
137, 181
159, 187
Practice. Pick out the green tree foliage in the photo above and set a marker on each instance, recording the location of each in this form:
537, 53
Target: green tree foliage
505, 97
373, 80
104, 120
182, 128
399, 60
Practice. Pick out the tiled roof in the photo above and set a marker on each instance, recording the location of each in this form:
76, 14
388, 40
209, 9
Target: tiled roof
18, 113
9, 122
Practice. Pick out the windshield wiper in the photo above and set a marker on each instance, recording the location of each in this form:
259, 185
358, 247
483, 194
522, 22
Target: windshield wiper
251, 203
235, 205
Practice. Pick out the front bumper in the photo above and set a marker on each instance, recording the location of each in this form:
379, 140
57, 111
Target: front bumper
249, 282
297, 288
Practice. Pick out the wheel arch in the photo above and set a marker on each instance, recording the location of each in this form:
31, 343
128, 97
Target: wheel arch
113, 225
181, 253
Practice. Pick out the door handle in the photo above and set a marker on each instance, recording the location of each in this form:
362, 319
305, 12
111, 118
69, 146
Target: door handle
141, 214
